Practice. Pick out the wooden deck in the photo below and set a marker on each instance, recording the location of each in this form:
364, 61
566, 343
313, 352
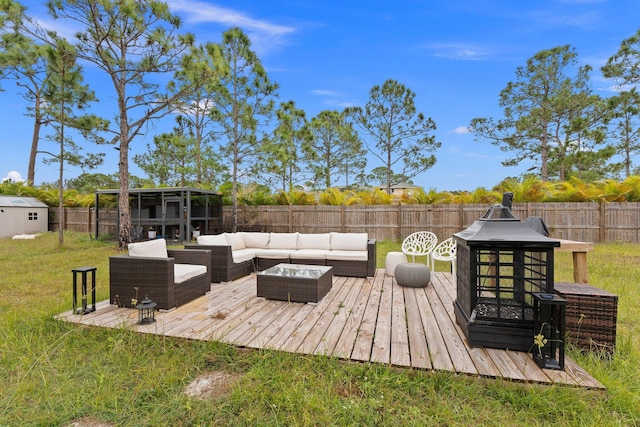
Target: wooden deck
369, 320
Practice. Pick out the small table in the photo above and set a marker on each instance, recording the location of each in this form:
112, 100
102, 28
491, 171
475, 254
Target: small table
579, 251
295, 282
82, 271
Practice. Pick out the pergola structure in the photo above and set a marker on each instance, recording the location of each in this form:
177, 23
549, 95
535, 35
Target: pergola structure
172, 213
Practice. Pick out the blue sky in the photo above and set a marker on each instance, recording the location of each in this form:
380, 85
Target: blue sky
456, 55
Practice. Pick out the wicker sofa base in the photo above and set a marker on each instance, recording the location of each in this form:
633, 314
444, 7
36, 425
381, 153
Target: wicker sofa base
591, 315
233, 271
264, 263
316, 261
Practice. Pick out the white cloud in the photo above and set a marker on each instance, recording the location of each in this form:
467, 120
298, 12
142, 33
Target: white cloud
582, 1
264, 35
460, 51
333, 99
458, 151
324, 92
617, 88
13, 176
198, 12
551, 18
461, 130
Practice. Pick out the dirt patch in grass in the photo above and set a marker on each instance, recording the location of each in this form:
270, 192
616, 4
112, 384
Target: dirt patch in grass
211, 385
349, 391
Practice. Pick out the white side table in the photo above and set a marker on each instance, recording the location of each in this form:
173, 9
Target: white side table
392, 260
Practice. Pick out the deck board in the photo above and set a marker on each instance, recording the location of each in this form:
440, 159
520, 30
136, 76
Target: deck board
345, 345
364, 340
419, 349
381, 350
363, 319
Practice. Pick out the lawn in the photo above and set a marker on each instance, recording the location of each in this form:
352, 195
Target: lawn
54, 373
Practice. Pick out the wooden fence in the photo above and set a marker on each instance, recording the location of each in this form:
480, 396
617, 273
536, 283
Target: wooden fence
590, 222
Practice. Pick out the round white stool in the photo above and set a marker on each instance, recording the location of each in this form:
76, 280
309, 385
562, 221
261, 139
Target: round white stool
392, 260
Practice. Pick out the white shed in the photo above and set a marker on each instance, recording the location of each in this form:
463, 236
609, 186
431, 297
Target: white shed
22, 215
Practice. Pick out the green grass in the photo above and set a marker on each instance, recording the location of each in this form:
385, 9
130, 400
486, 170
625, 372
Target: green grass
54, 373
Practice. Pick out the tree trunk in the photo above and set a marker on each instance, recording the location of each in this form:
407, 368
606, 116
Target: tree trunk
61, 176
544, 172
124, 231
35, 138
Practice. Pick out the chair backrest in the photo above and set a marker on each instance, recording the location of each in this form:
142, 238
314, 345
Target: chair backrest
446, 249
419, 243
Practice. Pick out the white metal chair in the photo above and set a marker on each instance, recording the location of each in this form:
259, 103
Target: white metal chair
420, 243
445, 251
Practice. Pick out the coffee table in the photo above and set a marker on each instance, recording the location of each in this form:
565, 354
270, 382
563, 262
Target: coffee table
295, 282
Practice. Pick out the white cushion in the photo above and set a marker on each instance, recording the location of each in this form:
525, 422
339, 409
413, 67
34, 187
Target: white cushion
274, 253
153, 248
309, 254
184, 272
349, 241
242, 255
283, 241
213, 240
235, 240
314, 241
255, 240
348, 255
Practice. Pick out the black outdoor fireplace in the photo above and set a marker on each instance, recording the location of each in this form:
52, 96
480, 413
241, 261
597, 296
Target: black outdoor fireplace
501, 263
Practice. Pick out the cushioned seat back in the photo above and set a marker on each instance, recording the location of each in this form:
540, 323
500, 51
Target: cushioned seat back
153, 248
235, 240
283, 241
256, 240
314, 241
348, 241
213, 240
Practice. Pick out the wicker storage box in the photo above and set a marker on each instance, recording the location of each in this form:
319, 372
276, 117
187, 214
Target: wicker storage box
591, 315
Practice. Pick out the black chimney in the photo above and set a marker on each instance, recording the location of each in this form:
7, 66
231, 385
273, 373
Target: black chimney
507, 199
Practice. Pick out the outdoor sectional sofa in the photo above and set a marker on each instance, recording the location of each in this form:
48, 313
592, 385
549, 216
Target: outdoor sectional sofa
234, 255
169, 277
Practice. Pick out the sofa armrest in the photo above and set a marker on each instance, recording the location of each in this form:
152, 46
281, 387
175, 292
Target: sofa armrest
134, 277
190, 256
220, 259
371, 257
219, 254
139, 268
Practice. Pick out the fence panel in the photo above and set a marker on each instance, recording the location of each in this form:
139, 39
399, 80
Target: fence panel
622, 222
572, 221
315, 219
591, 222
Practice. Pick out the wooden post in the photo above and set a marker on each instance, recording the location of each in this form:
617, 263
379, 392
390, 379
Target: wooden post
602, 229
399, 221
579, 253
290, 218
